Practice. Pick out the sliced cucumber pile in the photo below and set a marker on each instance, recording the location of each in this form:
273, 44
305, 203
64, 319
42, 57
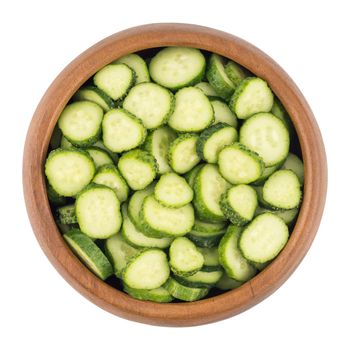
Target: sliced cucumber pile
176, 178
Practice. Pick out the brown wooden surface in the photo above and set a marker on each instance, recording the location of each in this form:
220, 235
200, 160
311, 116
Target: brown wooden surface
50, 239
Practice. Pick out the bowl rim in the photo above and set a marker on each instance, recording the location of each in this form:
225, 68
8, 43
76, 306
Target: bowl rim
68, 265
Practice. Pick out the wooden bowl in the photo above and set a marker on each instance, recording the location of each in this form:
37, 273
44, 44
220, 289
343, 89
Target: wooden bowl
177, 314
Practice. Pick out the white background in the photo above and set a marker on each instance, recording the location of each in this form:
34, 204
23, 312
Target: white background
310, 40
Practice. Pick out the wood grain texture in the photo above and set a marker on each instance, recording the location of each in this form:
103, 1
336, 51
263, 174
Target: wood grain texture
179, 314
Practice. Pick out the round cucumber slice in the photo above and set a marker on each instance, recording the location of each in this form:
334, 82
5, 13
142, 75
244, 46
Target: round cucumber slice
251, 96
139, 168
266, 135
264, 238
176, 67
282, 190
122, 131
151, 103
173, 191
239, 165
98, 211
115, 80
80, 123
147, 270
193, 111
69, 171
185, 259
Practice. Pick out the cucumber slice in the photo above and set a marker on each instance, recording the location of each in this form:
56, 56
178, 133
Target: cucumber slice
235, 265
185, 259
282, 190
208, 187
263, 238
239, 165
157, 143
139, 168
89, 253
223, 114
94, 94
173, 191
119, 252
115, 80
239, 204
68, 171
211, 257
252, 96
122, 131
158, 295
266, 174
193, 111
294, 163
66, 215
227, 283
176, 67
53, 196
235, 73
288, 216
212, 140
160, 221
135, 205
137, 238
191, 175
182, 153
65, 143
218, 78
207, 89
138, 65
205, 239
99, 156
98, 211
181, 292
149, 269
201, 279
151, 103
80, 123
266, 135
109, 176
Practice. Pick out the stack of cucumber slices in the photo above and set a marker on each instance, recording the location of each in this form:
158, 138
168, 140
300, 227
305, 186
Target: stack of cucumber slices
178, 178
